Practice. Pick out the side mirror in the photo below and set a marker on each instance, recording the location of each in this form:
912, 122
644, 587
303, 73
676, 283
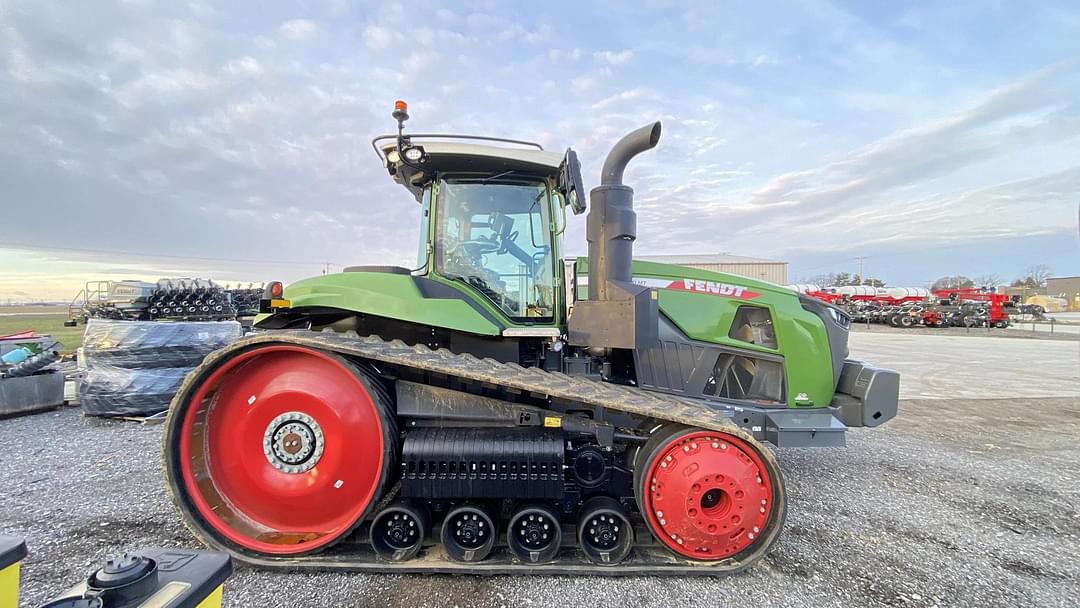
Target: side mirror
570, 182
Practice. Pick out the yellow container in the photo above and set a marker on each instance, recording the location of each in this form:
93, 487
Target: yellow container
12, 550
156, 578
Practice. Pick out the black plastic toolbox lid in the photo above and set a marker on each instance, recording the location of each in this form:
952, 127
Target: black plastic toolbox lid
203, 570
12, 549
178, 578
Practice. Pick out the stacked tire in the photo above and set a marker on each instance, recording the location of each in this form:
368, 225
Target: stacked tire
133, 368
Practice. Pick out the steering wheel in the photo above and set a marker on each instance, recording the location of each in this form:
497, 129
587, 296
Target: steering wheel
475, 248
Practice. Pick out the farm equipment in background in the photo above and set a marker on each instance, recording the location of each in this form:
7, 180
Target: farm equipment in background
166, 300
908, 314
913, 307
1034, 311
480, 415
977, 307
110, 300
829, 295
933, 317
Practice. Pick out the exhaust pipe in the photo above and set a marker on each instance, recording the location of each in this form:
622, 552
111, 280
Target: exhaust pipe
617, 314
612, 223
628, 147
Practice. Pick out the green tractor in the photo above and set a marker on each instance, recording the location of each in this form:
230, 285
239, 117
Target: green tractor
500, 409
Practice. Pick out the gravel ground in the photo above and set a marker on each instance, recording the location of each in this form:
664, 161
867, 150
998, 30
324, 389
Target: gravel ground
1061, 332
954, 503
996, 367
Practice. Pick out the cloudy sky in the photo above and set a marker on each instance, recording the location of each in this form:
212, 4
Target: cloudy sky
143, 139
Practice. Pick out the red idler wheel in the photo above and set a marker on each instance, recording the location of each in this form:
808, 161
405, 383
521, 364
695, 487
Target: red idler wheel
280, 449
710, 495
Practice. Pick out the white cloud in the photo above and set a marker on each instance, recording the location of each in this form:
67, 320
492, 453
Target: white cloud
419, 60
560, 55
483, 21
518, 33
622, 97
203, 10
247, 65
614, 58
582, 84
953, 179
447, 16
764, 60
298, 29
925, 151
123, 50
165, 86
20, 67
379, 38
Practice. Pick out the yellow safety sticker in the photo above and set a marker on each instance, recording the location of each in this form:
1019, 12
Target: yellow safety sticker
280, 303
552, 421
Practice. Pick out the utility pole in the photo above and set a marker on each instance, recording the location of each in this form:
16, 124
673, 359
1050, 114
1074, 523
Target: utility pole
862, 277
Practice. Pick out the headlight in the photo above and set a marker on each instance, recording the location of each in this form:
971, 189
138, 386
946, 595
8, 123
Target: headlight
414, 154
838, 317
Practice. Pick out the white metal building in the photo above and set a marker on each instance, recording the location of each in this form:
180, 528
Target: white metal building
755, 268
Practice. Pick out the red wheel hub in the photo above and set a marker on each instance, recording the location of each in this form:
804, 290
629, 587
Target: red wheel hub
707, 495
281, 449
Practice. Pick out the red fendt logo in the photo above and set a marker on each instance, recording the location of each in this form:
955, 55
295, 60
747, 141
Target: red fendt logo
698, 286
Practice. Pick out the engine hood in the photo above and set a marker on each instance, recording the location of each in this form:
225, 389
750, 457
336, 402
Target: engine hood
683, 278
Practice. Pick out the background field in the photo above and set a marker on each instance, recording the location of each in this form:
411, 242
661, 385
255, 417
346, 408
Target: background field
42, 319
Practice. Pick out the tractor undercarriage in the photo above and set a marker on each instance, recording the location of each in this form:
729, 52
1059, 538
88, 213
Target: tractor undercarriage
429, 461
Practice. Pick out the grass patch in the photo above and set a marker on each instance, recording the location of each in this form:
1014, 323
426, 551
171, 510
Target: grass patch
51, 324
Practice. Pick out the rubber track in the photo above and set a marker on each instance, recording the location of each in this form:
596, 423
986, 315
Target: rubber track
510, 375
645, 560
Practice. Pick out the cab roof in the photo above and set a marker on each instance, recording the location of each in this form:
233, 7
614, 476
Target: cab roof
441, 155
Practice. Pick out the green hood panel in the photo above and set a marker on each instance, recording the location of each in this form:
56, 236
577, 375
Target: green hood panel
396, 296
702, 304
683, 272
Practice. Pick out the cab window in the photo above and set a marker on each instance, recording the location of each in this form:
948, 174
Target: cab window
494, 236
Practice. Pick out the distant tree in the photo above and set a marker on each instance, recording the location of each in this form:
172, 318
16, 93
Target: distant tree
840, 279
871, 281
821, 280
1034, 277
989, 281
956, 282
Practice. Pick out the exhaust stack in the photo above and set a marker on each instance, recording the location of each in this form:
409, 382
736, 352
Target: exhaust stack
612, 223
618, 314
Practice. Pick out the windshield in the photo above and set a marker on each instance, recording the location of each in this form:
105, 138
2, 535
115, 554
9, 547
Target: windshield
494, 236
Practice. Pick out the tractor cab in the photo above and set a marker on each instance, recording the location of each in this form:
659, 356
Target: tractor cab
492, 215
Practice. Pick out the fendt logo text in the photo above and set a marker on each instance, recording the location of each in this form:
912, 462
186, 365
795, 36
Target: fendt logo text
698, 286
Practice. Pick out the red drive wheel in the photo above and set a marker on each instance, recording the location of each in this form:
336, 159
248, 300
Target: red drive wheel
710, 495
280, 449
